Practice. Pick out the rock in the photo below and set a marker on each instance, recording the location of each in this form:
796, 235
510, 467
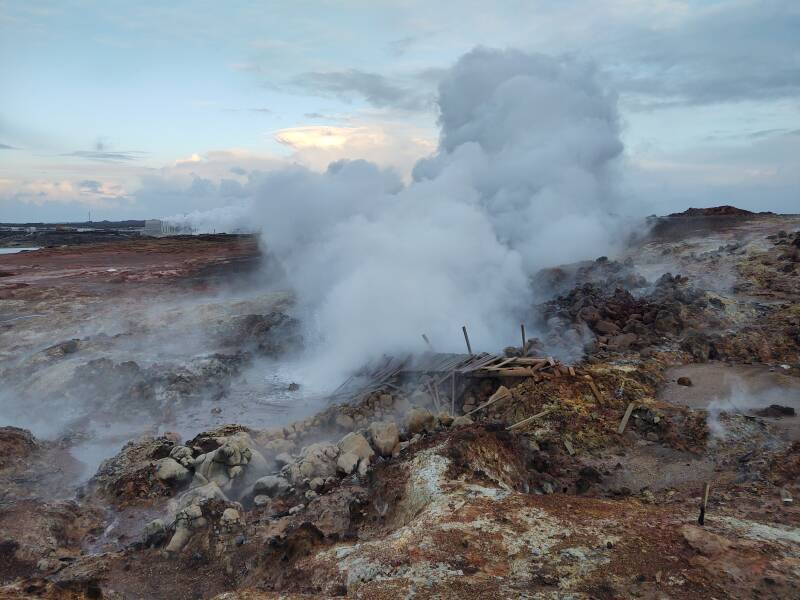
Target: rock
293, 387
445, 419
229, 463
187, 521
776, 411
316, 460
261, 500
296, 509
706, 543
231, 520
357, 444
271, 485
15, 445
317, 484
345, 421
622, 341
183, 455
589, 314
154, 533
419, 420
195, 496
606, 328
462, 421
347, 463
684, 381
284, 458
385, 436
172, 471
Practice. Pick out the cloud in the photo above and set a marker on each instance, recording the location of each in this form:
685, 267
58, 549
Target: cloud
387, 144
686, 62
107, 156
376, 89
7, 147
759, 173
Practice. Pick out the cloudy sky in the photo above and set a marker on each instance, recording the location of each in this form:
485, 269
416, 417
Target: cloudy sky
146, 109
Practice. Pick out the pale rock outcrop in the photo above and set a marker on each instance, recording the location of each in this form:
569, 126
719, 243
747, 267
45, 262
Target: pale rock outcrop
385, 436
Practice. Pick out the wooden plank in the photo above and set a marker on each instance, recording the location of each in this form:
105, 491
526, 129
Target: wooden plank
501, 394
595, 391
568, 446
625, 417
502, 363
527, 360
572, 371
529, 419
522, 328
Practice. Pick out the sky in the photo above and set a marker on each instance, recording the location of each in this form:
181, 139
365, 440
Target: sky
151, 109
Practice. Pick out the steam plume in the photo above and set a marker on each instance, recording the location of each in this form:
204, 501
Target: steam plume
523, 178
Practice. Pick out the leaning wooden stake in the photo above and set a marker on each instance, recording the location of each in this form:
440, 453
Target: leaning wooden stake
522, 329
625, 418
428, 342
466, 339
453, 393
529, 419
704, 505
501, 394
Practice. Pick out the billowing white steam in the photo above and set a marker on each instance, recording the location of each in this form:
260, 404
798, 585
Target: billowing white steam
522, 179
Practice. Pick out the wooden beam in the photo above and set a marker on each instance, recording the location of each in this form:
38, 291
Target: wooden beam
522, 329
595, 391
466, 339
529, 419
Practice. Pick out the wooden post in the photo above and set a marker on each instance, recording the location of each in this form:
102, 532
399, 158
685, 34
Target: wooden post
428, 342
522, 329
453, 393
466, 339
704, 505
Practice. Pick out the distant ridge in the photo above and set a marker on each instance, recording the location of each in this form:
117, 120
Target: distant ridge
717, 211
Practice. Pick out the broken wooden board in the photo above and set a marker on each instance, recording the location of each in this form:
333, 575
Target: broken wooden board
524, 422
625, 417
502, 393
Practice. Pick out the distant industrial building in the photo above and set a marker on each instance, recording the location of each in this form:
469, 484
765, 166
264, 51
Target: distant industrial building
157, 228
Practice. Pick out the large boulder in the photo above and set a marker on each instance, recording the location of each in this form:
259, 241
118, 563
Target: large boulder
385, 436
271, 485
316, 460
419, 420
171, 471
355, 443
236, 463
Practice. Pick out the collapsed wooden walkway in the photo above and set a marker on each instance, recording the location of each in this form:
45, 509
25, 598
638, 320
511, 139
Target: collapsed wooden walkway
436, 368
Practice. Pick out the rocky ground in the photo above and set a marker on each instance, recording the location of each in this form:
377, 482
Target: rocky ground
694, 334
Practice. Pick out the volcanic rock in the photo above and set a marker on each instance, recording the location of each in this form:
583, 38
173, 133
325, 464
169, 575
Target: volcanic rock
385, 436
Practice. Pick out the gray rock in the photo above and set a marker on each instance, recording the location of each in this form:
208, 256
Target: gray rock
154, 533
183, 455
271, 485
171, 471
385, 436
